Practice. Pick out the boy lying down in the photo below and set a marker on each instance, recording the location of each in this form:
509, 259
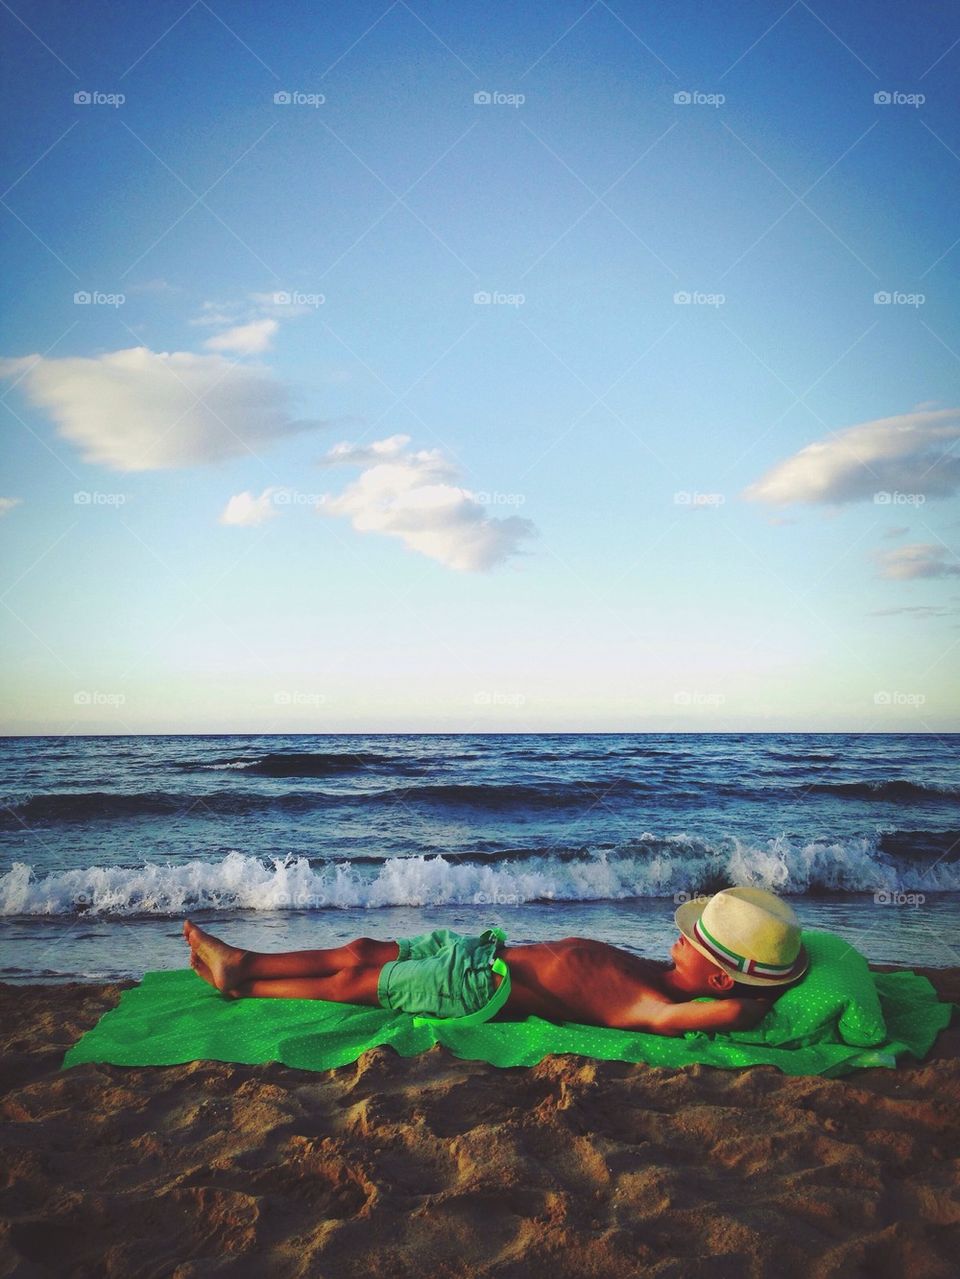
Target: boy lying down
741, 946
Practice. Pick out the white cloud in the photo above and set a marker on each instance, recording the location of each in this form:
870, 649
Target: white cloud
363, 454
411, 497
8, 503
920, 559
218, 313
245, 509
906, 454
140, 410
245, 339
281, 304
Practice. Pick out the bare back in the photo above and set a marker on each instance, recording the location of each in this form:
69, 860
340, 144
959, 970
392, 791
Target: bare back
578, 979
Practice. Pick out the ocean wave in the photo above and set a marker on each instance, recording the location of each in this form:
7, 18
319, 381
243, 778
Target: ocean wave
910, 844
896, 791
498, 796
305, 763
103, 805
64, 806
672, 867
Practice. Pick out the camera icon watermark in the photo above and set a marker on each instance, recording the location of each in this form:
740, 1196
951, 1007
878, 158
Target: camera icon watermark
485, 298
691, 697
888, 697
883, 498
499, 499
893, 98
84, 697
296, 697
294, 98
83, 297
300, 900
893, 897
692, 497
299, 299
486, 98
686, 297
694, 98
86, 498
294, 497
896, 298
496, 697
497, 897
94, 98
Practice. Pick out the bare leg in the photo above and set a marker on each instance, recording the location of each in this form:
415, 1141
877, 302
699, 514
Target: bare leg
348, 986
229, 966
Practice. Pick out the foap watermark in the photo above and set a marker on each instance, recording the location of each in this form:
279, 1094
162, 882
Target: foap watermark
94, 98
84, 298
85, 697
294, 497
893, 697
896, 298
299, 299
494, 697
894, 98
484, 298
680, 898
84, 497
300, 900
690, 697
494, 98
497, 897
499, 499
297, 697
893, 897
684, 297
690, 497
294, 98
694, 98
883, 498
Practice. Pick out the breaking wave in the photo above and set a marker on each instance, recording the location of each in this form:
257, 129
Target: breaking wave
647, 867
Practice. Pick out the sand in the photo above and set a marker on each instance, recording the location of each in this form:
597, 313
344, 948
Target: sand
434, 1166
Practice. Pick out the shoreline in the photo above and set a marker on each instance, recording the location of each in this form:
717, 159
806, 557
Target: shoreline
402, 1164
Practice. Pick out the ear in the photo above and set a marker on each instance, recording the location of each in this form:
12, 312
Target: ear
720, 981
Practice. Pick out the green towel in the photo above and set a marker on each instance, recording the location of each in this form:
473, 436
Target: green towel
840, 1018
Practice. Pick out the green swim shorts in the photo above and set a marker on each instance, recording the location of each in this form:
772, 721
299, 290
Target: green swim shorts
441, 974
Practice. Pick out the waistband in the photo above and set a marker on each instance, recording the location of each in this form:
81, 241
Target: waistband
493, 1004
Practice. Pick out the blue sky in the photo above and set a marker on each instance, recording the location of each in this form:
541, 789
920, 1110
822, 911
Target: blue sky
626, 399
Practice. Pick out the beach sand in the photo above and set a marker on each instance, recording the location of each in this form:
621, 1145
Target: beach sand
434, 1166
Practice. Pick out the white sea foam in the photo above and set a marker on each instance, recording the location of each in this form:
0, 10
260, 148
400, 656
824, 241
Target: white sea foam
648, 867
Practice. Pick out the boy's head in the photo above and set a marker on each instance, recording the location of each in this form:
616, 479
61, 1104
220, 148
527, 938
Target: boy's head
739, 942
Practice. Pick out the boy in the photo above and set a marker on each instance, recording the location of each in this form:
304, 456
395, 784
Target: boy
739, 944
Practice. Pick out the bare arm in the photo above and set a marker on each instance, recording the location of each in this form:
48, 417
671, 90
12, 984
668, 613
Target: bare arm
675, 1019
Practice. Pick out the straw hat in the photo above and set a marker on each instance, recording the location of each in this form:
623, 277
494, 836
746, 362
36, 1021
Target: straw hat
751, 934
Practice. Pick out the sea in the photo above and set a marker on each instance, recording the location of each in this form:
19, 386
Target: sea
289, 842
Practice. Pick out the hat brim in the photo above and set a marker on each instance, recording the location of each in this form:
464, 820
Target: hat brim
687, 914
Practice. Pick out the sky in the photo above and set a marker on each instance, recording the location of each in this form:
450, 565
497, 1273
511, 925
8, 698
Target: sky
439, 367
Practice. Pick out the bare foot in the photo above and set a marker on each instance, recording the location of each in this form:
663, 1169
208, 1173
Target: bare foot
225, 963
201, 969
